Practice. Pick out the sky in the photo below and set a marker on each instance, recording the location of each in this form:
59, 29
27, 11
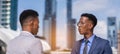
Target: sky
100, 8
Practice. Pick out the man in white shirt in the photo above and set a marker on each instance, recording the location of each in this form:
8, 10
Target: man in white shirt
26, 43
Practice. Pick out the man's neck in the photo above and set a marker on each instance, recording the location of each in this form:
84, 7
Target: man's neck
26, 29
87, 36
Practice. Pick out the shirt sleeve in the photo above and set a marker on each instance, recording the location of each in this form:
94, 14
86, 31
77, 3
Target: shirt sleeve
36, 48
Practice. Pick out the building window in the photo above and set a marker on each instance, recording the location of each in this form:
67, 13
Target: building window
4, 19
113, 31
5, 24
5, 6
3, 15
5, 10
5, 2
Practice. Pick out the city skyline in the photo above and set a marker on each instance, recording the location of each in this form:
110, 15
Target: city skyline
100, 8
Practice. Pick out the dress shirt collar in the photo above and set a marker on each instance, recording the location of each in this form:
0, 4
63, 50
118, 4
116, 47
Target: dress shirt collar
26, 33
90, 39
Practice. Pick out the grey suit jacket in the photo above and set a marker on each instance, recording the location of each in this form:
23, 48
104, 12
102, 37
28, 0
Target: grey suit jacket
99, 46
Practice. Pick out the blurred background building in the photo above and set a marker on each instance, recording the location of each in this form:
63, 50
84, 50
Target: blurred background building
71, 26
8, 14
112, 31
49, 22
13, 14
119, 39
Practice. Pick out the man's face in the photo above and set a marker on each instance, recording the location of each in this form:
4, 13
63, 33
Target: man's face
35, 26
84, 25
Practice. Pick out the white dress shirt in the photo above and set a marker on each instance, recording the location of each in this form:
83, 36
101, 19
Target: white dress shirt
25, 43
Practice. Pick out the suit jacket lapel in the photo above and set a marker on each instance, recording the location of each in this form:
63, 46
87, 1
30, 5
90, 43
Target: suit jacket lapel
94, 43
79, 46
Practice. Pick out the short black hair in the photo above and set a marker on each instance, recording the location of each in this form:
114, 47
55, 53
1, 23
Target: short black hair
27, 13
91, 17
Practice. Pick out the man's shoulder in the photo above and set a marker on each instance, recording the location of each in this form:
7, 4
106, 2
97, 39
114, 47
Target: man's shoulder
99, 39
96, 38
78, 41
24, 39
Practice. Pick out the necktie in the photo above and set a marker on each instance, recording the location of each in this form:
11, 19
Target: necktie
85, 48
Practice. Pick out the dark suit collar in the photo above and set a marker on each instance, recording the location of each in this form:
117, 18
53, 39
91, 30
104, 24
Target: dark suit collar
79, 46
94, 44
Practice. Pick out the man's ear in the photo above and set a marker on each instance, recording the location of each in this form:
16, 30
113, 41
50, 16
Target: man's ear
31, 22
90, 25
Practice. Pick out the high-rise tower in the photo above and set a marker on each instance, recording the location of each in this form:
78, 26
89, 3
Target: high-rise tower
49, 23
71, 28
8, 14
112, 31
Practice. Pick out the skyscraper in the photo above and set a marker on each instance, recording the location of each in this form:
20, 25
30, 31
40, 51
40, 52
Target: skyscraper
5, 13
8, 14
112, 31
119, 39
49, 23
71, 28
13, 14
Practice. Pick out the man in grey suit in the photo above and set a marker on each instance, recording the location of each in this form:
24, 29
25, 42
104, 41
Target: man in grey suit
90, 44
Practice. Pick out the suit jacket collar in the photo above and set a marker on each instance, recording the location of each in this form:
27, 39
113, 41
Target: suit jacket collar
79, 46
94, 44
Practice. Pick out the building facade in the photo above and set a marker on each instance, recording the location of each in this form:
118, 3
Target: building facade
8, 14
112, 31
13, 14
119, 39
49, 23
71, 27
